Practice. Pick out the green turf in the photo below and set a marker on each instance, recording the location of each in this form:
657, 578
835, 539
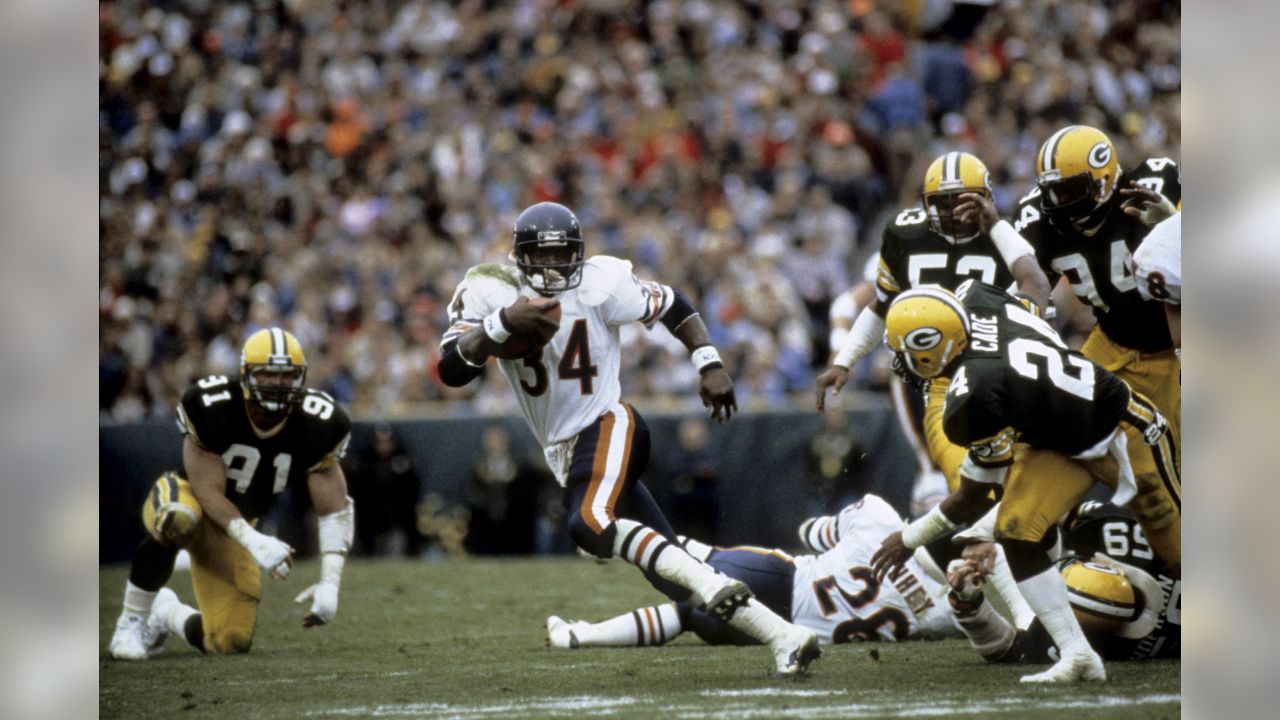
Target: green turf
465, 639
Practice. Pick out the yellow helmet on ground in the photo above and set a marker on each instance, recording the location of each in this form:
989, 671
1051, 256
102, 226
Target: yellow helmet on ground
930, 327
949, 177
273, 370
1077, 171
1100, 594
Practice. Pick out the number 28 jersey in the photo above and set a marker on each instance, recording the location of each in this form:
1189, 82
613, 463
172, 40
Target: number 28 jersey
260, 465
836, 594
912, 256
574, 379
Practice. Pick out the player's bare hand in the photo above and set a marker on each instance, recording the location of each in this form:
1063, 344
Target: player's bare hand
833, 377
527, 319
982, 555
975, 207
716, 389
892, 553
1145, 204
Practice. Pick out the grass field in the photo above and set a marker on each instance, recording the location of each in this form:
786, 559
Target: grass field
464, 639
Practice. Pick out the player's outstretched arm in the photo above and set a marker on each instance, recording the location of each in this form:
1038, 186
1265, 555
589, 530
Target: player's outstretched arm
866, 335
715, 386
336, 511
208, 477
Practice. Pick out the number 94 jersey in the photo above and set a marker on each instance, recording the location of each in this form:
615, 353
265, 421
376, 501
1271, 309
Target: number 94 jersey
260, 465
912, 256
836, 594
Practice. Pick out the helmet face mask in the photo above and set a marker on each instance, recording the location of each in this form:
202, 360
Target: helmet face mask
548, 248
1069, 198
1077, 174
948, 177
273, 371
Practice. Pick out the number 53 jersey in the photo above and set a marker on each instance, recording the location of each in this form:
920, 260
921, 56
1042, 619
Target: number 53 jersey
836, 594
261, 464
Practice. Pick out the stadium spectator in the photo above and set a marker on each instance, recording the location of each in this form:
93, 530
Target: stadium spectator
333, 167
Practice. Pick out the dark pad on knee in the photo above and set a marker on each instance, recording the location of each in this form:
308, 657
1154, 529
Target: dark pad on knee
152, 565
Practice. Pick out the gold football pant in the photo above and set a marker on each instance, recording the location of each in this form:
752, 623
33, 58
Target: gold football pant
1157, 376
945, 454
1044, 485
227, 582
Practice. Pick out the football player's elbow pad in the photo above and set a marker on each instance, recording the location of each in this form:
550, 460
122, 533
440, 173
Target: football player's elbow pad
679, 312
455, 371
337, 530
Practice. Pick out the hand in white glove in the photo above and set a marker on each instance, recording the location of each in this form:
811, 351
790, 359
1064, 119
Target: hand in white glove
271, 554
324, 603
1146, 204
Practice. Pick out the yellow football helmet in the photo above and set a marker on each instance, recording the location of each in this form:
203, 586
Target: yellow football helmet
171, 512
1077, 171
273, 370
1100, 594
929, 327
950, 176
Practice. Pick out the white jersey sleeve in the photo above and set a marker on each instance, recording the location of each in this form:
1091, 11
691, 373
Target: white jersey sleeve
1157, 264
836, 594
484, 289
609, 284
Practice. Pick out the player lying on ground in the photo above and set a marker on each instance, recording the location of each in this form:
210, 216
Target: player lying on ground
834, 593
553, 322
244, 443
1127, 604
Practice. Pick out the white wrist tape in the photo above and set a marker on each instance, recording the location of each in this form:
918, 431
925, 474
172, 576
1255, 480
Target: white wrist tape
927, 529
705, 356
494, 328
867, 332
337, 530
242, 532
1010, 243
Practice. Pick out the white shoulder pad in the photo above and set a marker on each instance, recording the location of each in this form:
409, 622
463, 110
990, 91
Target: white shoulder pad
601, 276
491, 286
870, 514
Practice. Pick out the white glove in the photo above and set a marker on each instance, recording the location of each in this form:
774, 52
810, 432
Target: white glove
271, 554
1157, 212
324, 603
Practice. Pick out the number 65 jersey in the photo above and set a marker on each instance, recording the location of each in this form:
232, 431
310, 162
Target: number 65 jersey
836, 594
261, 464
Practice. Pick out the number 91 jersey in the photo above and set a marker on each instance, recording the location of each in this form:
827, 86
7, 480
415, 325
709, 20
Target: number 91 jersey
836, 594
912, 256
260, 465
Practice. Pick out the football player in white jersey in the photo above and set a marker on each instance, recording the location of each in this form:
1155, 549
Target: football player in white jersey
569, 392
834, 593
1157, 267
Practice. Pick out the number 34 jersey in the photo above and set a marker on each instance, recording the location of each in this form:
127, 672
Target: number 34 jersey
1018, 382
574, 379
260, 465
836, 594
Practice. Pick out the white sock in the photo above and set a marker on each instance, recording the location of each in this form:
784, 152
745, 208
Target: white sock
643, 547
176, 621
820, 534
989, 633
642, 626
1001, 579
1046, 593
697, 549
137, 601
761, 623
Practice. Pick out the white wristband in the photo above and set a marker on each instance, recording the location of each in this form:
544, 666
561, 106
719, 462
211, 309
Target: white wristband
1010, 243
867, 332
705, 356
927, 529
494, 328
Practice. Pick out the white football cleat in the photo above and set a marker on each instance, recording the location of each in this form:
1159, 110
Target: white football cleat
724, 599
158, 622
794, 653
560, 634
1077, 667
128, 641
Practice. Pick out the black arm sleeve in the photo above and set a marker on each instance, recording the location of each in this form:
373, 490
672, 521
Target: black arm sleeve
454, 371
681, 309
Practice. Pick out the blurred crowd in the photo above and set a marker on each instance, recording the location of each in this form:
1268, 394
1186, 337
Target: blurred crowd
335, 167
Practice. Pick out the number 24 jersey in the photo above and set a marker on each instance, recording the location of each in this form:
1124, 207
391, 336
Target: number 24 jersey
261, 465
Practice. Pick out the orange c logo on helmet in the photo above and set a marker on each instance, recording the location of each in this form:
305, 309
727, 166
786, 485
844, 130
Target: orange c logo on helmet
925, 338
1100, 155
